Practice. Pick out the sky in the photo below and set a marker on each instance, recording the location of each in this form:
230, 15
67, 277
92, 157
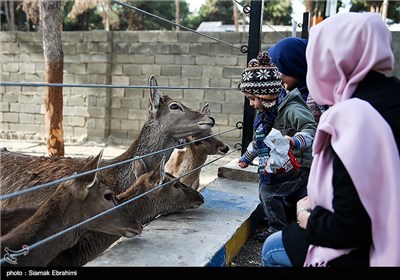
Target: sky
195, 4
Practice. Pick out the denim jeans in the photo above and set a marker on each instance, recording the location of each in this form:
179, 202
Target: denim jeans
273, 253
283, 193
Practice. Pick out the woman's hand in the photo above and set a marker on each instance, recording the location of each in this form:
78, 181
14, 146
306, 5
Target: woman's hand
303, 203
303, 212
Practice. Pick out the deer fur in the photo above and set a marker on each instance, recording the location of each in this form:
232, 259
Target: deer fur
11, 218
73, 202
168, 121
195, 155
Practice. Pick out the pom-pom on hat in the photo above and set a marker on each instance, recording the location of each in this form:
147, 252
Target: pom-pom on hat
261, 78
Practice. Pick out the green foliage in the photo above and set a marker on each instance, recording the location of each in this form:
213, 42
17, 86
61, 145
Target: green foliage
275, 12
88, 20
393, 11
134, 20
214, 10
278, 12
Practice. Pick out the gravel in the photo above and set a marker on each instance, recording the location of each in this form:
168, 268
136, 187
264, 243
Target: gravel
250, 254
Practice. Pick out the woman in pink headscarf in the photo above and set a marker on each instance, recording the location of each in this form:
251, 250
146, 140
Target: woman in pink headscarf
351, 214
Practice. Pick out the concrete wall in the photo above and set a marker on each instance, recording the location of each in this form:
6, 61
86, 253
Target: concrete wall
124, 58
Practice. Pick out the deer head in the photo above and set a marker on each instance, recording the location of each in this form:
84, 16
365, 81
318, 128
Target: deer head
209, 146
171, 198
97, 197
174, 117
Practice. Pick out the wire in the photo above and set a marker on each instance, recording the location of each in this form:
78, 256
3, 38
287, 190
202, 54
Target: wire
176, 24
58, 181
62, 232
25, 84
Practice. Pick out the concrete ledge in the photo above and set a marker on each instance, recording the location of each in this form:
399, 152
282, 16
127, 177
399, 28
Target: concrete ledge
208, 236
233, 172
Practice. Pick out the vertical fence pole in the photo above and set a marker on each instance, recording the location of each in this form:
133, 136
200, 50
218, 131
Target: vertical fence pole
305, 25
254, 46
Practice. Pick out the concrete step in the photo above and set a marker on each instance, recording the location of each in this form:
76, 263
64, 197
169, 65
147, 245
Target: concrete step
211, 235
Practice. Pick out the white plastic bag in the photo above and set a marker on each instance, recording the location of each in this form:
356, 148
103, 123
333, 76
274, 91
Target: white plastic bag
279, 148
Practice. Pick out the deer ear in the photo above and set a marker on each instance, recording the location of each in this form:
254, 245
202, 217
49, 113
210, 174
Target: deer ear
162, 170
93, 164
154, 98
84, 183
206, 109
139, 168
159, 172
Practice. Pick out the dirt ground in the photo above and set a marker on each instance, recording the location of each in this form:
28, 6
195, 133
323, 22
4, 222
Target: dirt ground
250, 254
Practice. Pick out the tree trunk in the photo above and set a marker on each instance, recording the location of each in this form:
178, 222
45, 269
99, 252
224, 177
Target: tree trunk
177, 14
106, 15
385, 5
54, 64
9, 12
235, 16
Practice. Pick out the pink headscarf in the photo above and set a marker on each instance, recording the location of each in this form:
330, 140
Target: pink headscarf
341, 51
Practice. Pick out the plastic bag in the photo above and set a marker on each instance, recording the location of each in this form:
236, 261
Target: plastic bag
281, 158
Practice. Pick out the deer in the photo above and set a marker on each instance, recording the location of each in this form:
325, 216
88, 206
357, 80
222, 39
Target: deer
194, 155
172, 197
72, 202
168, 122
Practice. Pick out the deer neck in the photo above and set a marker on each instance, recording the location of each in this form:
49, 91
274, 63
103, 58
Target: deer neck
148, 207
151, 139
195, 157
49, 219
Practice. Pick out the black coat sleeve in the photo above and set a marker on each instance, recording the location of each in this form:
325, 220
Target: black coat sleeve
349, 226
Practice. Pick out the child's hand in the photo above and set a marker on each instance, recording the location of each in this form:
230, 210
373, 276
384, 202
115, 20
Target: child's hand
242, 164
291, 141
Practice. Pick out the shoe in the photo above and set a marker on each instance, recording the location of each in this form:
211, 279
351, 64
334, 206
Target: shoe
261, 236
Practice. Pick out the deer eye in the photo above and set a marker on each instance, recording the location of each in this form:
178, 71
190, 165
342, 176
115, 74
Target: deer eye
198, 143
174, 106
109, 196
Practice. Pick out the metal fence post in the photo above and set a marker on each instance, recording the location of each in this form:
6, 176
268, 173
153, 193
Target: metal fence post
254, 45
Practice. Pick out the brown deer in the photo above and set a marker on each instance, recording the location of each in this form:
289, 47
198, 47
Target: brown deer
169, 120
73, 201
173, 197
195, 155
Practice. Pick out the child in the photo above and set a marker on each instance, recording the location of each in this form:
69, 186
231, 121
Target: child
288, 113
289, 55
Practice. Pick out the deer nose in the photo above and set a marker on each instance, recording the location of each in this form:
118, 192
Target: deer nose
224, 149
213, 120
